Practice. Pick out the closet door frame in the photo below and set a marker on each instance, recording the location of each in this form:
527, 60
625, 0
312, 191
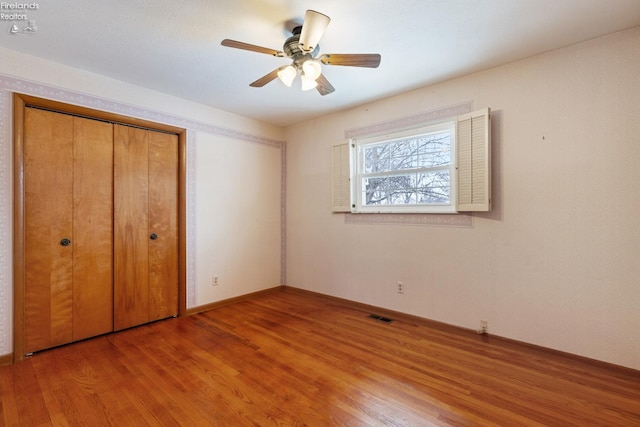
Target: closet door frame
22, 101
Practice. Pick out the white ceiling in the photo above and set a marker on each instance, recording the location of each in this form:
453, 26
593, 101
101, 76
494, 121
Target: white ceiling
173, 46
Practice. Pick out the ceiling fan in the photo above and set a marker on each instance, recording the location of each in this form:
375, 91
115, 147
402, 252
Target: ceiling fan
302, 47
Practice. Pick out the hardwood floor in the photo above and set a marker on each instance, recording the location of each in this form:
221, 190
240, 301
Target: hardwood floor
291, 358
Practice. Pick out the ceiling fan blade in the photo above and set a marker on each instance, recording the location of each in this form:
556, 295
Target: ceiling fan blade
265, 79
312, 30
370, 60
251, 47
324, 87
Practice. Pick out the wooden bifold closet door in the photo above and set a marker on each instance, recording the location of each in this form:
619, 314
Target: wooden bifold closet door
101, 245
68, 228
146, 226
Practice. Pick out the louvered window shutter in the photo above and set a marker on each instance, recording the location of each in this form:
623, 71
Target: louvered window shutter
473, 151
340, 178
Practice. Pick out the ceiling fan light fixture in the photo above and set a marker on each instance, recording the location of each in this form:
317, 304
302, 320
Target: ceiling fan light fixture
287, 74
312, 30
307, 83
302, 49
312, 69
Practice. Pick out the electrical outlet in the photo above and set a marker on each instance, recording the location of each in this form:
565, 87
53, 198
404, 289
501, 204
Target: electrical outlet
484, 327
400, 288
214, 281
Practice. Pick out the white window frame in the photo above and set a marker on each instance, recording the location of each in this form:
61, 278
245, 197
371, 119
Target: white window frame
470, 173
358, 147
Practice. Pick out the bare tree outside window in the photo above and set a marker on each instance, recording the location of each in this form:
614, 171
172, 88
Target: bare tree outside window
408, 171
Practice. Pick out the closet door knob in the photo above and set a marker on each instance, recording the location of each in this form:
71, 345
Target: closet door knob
153, 236
65, 242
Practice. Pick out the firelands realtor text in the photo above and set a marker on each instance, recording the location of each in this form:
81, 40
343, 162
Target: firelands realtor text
12, 11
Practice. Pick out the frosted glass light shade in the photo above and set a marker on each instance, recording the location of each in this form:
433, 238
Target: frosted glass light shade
311, 68
307, 83
287, 74
312, 30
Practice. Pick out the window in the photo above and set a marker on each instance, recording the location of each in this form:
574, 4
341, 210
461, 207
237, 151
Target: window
441, 168
409, 170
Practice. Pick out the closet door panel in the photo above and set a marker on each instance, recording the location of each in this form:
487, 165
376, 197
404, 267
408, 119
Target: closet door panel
163, 223
100, 228
131, 225
93, 228
48, 140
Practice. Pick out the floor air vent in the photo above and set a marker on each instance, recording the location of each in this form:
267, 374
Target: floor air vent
380, 318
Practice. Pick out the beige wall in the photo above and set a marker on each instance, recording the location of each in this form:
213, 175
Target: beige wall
237, 217
233, 215
554, 263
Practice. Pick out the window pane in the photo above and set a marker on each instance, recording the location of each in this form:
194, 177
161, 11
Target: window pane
433, 187
376, 158
414, 188
403, 154
374, 190
434, 150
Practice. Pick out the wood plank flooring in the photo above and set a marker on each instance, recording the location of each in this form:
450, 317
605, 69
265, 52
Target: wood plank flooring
291, 358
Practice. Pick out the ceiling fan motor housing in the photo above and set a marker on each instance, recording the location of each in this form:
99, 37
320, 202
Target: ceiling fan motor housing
292, 49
